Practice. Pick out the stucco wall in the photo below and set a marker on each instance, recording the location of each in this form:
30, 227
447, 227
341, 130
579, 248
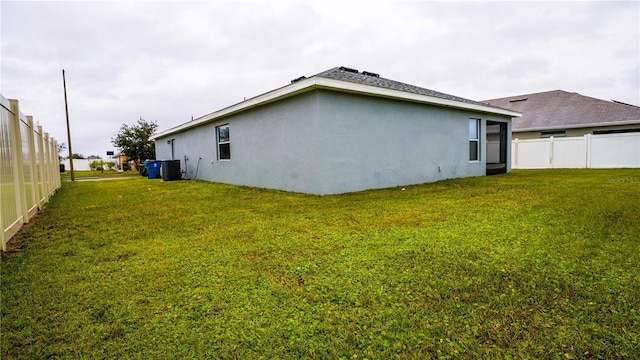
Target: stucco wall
273, 146
376, 143
325, 142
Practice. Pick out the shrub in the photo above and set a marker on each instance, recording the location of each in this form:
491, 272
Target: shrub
96, 164
142, 170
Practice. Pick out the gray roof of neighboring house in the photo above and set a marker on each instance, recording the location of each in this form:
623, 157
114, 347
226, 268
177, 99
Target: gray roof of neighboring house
560, 109
373, 79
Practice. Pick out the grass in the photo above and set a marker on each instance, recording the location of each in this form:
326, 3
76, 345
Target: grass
532, 264
84, 174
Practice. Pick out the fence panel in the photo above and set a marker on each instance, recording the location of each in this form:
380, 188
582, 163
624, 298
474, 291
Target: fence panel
589, 151
530, 154
28, 169
10, 214
28, 177
615, 150
78, 164
568, 153
39, 163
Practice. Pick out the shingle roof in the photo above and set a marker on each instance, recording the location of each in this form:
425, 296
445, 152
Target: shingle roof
373, 79
348, 80
557, 109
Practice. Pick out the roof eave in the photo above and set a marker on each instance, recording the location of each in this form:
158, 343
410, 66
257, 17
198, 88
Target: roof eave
346, 86
578, 126
308, 84
271, 96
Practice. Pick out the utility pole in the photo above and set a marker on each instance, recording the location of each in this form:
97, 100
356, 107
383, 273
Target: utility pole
66, 109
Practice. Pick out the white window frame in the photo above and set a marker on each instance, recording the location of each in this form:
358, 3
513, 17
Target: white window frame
475, 140
218, 142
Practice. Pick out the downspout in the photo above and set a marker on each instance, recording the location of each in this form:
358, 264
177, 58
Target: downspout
184, 172
197, 167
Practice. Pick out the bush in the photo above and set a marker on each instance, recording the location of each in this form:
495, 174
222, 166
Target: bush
142, 170
96, 165
126, 166
109, 165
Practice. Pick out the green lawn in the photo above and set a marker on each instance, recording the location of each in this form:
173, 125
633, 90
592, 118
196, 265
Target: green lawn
83, 174
532, 264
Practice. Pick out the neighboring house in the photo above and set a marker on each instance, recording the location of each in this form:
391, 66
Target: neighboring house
122, 159
342, 131
560, 113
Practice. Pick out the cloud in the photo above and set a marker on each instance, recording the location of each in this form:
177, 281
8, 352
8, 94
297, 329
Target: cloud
168, 61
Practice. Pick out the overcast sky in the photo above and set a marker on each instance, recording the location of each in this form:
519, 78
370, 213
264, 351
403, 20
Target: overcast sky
169, 61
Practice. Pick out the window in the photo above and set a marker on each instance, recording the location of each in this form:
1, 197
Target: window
615, 131
224, 147
553, 133
474, 139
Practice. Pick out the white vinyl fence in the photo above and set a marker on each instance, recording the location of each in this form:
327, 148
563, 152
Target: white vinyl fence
29, 170
589, 151
85, 164
78, 164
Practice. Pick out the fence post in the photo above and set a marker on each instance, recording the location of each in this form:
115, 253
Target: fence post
33, 164
41, 163
18, 170
588, 148
550, 152
5, 143
56, 165
515, 153
47, 166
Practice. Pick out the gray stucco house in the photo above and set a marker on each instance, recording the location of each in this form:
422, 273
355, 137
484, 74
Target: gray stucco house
342, 131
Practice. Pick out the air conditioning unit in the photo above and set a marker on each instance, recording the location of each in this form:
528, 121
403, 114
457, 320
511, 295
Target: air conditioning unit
171, 170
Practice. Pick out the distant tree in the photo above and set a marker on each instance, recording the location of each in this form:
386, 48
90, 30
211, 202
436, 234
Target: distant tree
61, 147
77, 156
133, 141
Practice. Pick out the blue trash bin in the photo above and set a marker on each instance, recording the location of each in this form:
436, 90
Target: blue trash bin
153, 168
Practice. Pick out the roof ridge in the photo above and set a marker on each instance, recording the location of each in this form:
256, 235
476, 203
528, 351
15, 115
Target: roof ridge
560, 108
529, 94
349, 74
